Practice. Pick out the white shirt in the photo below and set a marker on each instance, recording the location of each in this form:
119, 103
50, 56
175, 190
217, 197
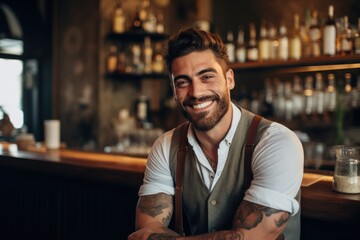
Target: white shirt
277, 166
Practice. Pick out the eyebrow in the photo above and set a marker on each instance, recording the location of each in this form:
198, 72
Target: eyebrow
197, 74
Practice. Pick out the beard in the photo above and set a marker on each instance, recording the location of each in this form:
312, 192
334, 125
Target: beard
201, 121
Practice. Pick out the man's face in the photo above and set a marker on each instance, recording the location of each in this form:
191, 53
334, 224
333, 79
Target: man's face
201, 88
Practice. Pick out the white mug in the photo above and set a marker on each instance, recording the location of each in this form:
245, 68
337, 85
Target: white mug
52, 134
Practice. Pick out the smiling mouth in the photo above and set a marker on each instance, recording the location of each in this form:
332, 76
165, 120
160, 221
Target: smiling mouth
202, 105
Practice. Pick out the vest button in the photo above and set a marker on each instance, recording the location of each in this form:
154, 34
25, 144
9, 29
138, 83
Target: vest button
213, 202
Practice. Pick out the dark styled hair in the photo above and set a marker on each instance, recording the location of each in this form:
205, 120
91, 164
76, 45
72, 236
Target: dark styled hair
191, 39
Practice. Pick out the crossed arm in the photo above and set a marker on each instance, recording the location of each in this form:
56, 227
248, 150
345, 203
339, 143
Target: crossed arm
252, 221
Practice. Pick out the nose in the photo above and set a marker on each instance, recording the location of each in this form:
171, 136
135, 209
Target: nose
196, 88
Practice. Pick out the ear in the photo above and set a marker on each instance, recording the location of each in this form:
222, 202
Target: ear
230, 79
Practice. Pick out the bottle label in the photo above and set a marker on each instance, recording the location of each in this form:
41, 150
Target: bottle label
295, 48
231, 52
241, 55
329, 44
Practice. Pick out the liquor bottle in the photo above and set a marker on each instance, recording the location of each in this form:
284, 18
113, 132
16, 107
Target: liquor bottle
137, 23
143, 111
347, 91
355, 103
252, 52
267, 105
309, 95
230, 46
295, 40
315, 35
158, 63
305, 35
283, 43
329, 34
112, 60
119, 20
319, 95
264, 43
279, 100
346, 38
148, 17
147, 54
240, 46
274, 42
357, 39
297, 97
288, 114
330, 94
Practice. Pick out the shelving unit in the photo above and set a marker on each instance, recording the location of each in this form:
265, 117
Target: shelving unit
310, 64
134, 37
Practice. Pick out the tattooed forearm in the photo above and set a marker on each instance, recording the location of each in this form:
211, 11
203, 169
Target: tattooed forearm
166, 221
249, 215
223, 235
153, 205
284, 218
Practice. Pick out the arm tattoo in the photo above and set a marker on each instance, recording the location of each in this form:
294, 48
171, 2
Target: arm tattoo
224, 235
153, 205
249, 215
166, 221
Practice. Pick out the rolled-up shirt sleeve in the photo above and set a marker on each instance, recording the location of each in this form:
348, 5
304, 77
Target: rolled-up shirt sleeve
277, 169
157, 178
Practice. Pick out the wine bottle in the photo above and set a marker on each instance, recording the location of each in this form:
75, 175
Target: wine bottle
252, 52
264, 43
295, 40
329, 34
230, 46
240, 47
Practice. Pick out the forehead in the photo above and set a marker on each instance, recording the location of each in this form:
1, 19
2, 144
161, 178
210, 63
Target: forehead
194, 62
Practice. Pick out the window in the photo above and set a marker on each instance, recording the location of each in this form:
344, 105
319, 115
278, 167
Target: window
11, 90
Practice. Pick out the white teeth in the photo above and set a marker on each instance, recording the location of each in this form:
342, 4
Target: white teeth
202, 105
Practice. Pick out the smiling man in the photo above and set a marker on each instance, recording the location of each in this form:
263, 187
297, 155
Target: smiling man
216, 201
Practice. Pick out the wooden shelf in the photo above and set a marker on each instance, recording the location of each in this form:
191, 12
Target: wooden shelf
135, 36
136, 76
313, 64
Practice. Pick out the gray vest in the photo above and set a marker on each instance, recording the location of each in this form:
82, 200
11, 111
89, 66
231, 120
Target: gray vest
207, 211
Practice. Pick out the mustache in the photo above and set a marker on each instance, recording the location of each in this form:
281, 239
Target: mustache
192, 100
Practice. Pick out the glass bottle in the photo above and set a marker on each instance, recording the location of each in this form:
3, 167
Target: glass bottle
319, 95
147, 54
264, 43
295, 40
315, 34
357, 39
288, 113
283, 43
137, 23
309, 95
274, 42
240, 46
355, 103
346, 38
119, 20
330, 94
230, 46
329, 34
112, 60
267, 105
279, 100
252, 51
297, 97
158, 63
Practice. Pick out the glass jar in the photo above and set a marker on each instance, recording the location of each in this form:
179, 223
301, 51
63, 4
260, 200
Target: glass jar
347, 169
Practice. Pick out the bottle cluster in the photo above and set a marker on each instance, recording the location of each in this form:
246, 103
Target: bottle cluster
136, 58
321, 97
146, 19
312, 37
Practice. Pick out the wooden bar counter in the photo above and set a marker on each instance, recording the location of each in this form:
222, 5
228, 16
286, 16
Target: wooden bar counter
68, 194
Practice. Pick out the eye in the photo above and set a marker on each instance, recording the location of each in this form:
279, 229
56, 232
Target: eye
207, 77
181, 83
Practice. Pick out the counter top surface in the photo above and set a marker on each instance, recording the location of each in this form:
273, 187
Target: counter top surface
318, 200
